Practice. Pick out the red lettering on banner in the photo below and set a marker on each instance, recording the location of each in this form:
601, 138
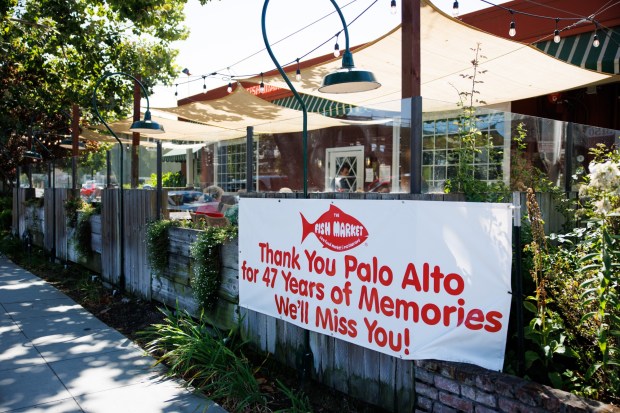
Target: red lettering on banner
286, 307
429, 313
382, 337
328, 319
474, 319
452, 283
368, 272
248, 273
493, 319
302, 287
288, 259
319, 264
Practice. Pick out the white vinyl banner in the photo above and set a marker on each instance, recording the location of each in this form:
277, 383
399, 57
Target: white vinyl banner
412, 279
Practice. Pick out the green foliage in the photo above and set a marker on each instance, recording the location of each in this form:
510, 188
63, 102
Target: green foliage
169, 179
6, 213
83, 231
574, 335
299, 401
208, 360
206, 253
53, 52
72, 206
472, 143
158, 244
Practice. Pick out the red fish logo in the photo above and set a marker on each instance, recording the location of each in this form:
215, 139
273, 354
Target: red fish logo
336, 230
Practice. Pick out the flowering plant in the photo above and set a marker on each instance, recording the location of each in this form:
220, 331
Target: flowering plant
602, 185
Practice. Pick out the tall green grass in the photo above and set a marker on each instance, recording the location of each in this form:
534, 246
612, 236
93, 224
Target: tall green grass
209, 361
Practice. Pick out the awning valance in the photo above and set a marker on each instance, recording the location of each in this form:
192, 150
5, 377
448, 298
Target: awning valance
178, 153
578, 50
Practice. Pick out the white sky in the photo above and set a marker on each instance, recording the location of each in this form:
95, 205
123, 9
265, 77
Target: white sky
227, 34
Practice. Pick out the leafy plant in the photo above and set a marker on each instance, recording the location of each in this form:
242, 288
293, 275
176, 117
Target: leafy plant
72, 206
208, 360
299, 401
206, 253
169, 179
158, 244
472, 143
83, 231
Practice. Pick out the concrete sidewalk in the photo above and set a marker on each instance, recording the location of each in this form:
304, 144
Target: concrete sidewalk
57, 357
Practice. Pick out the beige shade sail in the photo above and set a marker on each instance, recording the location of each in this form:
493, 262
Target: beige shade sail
240, 109
176, 130
512, 70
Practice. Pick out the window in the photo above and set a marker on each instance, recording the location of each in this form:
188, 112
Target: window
440, 155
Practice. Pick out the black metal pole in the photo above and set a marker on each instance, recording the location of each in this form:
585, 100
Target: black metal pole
108, 171
568, 160
249, 161
159, 180
415, 145
304, 109
518, 283
53, 210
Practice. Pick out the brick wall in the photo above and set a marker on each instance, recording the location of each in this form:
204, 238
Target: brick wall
443, 387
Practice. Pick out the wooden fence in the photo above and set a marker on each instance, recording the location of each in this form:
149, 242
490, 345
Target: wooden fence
374, 377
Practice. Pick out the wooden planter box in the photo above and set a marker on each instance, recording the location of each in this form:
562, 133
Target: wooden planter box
173, 287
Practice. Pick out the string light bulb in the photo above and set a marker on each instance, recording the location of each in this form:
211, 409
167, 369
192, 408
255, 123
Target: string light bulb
261, 88
176, 89
337, 47
393, 7
229, 88
298, 72
513, 27
596, 42
204, 84
455, 9
556, 33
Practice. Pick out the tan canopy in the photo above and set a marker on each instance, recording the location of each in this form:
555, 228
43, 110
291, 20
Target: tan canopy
240, 109
512, 70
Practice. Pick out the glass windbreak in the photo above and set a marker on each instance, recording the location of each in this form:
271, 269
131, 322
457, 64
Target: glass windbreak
356, 149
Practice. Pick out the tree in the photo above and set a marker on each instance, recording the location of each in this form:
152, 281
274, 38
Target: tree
52, 53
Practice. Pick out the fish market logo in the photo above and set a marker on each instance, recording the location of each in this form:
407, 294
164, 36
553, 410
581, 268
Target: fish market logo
335, 229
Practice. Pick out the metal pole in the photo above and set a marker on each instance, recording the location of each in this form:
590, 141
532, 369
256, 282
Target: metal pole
108, 172
159, 180
75, 133
53, 210
518, 282
415, 146
249, 161
304, 135
568, 160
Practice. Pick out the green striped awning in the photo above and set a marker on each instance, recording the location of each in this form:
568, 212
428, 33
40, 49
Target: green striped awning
316, 104
579, 50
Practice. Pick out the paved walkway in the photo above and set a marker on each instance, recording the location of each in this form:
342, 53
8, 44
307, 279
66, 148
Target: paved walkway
55, 357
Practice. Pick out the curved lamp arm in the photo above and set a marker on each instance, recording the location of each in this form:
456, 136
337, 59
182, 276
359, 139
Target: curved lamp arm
347, 80
144, 126
304, 109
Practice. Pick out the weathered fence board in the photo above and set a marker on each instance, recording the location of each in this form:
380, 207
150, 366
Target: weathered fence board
110, 251
139, 209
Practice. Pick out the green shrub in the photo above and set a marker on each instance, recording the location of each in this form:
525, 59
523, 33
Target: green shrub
169, 179
206, 253
208, 360
158, 244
